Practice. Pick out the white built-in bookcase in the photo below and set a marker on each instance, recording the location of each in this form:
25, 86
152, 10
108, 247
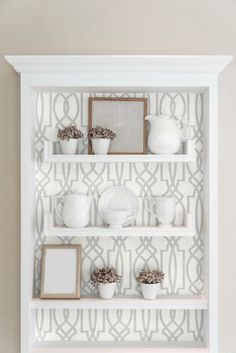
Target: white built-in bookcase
184, 318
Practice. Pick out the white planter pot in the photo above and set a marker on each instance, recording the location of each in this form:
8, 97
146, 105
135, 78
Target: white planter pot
69, 146
107, 290
100, 146
150, 291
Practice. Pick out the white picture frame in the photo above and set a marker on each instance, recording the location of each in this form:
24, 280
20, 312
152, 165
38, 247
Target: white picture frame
60, 275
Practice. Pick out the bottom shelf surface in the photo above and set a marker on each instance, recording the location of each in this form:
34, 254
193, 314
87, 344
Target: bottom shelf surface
116, 347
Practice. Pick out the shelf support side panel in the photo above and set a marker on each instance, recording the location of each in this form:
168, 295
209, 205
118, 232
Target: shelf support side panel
211, 216
27, 215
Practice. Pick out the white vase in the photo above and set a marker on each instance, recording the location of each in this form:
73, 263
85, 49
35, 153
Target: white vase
69, 146
101, 146
150, 291
107, 290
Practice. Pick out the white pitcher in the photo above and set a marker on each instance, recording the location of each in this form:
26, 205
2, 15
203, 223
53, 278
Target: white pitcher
165, 210
76, 209
165, 136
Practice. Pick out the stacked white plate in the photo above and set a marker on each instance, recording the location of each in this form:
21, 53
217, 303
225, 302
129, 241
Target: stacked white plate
118, 198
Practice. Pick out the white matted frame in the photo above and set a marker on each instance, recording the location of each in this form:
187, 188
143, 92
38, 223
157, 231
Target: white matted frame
109, 72
61, 272
125, 117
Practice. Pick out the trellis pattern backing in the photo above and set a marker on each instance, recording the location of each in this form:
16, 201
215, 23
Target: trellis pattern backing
119, 325
180, 258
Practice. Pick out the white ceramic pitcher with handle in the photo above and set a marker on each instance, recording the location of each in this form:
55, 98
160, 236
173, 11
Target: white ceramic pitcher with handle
165, 209
165, 134
76, 209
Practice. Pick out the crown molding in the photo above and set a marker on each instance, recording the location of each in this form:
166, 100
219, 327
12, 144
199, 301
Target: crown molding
119, 63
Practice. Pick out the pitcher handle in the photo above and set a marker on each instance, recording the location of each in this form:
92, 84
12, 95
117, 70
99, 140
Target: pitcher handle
56, 200
150, 199
186, 137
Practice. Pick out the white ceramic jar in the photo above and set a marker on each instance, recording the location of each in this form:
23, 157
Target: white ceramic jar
106, 290
101, 146
150, 291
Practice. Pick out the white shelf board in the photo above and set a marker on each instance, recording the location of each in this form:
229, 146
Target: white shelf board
117, 347
51, 157
51, 230
164, 302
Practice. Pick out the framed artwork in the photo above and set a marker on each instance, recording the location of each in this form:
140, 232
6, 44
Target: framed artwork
60, 275
125, 117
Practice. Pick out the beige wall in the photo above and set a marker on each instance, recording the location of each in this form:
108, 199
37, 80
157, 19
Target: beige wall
113, 27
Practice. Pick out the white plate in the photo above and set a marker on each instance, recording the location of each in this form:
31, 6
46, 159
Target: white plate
118, 198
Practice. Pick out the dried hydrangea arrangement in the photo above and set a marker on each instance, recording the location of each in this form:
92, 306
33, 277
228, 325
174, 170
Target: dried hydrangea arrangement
69, 132
150, 276
104, 275
100, 132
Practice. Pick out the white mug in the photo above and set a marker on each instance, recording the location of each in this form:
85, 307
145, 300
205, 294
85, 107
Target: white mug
165, 210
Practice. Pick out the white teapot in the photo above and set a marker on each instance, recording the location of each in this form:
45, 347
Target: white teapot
76, 209
165, 135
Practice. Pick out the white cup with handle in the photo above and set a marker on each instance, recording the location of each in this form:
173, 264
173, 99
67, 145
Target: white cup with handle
165, 209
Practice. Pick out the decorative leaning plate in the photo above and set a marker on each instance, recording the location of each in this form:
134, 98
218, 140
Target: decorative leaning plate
117, 198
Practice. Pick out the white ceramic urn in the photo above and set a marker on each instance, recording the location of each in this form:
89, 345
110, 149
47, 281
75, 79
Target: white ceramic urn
164, 136
76, 209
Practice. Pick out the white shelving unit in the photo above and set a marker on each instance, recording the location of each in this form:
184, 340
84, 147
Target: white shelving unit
109, 73
187, 156
51, 230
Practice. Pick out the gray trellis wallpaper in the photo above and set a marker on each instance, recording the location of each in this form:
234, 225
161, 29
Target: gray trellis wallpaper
180, 258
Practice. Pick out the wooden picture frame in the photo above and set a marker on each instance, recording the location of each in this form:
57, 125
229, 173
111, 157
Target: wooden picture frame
130, 139
61, 272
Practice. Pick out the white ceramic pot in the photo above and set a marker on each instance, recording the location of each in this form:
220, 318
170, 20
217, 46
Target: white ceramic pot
165, 210
69, 146
115, 219
101, 146
164, 136
107, 290
150, 291
76, 210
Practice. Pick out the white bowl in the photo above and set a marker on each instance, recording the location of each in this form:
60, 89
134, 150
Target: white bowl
115, 218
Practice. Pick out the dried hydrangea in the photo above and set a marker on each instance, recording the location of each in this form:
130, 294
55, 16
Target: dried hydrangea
104, 275
150, 277
100, 132
69, 132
